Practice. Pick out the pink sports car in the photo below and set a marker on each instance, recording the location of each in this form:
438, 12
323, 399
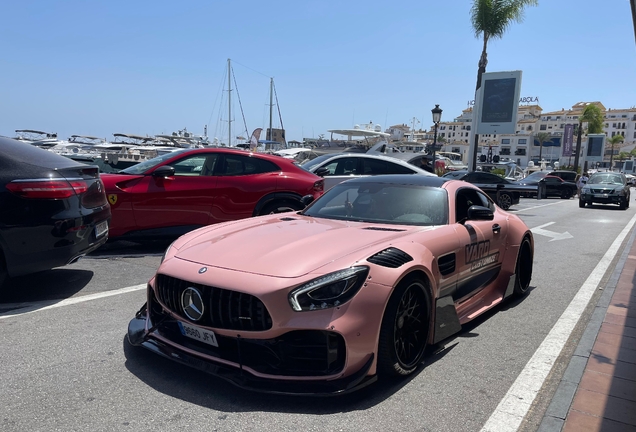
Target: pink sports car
324, 300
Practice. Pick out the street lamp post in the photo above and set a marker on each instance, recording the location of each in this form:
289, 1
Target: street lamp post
437, 116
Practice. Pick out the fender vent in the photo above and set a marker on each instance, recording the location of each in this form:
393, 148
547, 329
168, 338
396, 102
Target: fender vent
391, 257
446, 264
285, 219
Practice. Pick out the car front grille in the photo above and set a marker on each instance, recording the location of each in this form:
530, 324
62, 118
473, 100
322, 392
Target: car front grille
295, 353
607, 191
223, 309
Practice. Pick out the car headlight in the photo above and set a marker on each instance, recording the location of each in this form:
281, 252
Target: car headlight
329, 291
163, 257
585, 189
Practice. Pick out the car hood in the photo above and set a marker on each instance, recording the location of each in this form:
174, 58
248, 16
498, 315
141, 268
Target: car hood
286, 246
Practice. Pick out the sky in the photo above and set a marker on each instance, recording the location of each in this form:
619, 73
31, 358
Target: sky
151, 67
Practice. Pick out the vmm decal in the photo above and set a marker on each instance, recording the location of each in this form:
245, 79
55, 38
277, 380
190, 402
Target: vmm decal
477, 254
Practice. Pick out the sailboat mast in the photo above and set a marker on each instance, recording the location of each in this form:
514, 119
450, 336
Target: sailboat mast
271, 107
229, 103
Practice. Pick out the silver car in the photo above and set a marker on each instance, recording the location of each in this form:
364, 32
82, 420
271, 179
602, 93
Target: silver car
606, 188
338, 167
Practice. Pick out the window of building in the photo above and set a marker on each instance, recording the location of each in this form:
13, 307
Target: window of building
505, 151
522, 141
520, 152
542, 127
505, 141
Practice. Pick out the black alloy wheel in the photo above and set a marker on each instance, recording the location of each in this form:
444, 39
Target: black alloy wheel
566, 193
504, 200
523, 268
405, 329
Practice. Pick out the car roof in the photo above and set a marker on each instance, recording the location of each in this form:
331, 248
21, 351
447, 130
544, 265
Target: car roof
403, 179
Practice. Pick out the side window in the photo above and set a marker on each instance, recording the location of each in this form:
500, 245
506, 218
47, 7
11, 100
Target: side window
190, 166
466, 198
343, 166
373, 166
485, 201
398, 169
245, 165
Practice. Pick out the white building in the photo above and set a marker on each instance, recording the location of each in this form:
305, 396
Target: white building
521, 146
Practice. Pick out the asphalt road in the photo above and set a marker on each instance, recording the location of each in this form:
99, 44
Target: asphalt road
65, 363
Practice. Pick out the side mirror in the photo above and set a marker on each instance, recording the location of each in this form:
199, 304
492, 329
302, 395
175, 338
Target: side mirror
480, 213
163, 171
306, 200
322, 172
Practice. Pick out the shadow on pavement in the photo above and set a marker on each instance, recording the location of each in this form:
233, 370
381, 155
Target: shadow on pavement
47, 286
215, 393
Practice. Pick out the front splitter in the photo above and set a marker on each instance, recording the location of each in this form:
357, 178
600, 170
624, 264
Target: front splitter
243, 379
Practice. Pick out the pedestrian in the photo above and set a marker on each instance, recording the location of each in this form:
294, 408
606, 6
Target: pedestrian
426, 166
581, 182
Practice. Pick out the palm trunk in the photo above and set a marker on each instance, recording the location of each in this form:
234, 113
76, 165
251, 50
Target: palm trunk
483, 61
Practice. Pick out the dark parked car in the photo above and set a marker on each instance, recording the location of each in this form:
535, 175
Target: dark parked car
565, 175
53, 210
555, 186
606, 188
504, 192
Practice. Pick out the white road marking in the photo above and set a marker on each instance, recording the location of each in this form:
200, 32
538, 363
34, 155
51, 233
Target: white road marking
539, 206
553, 235
516, 403
52, 304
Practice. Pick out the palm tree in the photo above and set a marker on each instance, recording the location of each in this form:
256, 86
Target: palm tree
617, 139
593, 116
490, 19
542, 137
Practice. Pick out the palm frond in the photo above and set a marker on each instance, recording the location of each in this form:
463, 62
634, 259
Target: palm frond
494, 17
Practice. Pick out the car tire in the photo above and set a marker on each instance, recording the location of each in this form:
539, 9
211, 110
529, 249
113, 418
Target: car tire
523, 268
405, 329
281, 207
581, 203
623, 204
504, 200
566, 194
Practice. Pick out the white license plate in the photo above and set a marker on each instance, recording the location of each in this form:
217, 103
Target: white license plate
101, 229
600, 195
197, 333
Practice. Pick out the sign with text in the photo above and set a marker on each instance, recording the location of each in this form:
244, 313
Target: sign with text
498, 102
568, 140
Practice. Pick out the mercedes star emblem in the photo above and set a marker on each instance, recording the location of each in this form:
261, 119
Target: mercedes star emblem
192, 304
203, 270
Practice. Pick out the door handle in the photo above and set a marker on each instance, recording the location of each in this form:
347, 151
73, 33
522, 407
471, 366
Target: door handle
496, 228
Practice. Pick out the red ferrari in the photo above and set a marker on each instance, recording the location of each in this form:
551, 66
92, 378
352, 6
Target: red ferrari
186, 189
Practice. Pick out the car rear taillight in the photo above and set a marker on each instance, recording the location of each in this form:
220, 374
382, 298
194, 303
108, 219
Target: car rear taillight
319, 186
47, 188
95, 196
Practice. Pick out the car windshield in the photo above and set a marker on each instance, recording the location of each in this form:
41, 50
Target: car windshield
144, 166
606, 178
396, 204
309, 165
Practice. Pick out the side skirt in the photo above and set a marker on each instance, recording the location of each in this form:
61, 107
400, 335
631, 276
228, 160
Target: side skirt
446, 319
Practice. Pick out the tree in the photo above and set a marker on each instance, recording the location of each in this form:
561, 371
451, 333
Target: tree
490, 20
615, 140
593, 116
542, 137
